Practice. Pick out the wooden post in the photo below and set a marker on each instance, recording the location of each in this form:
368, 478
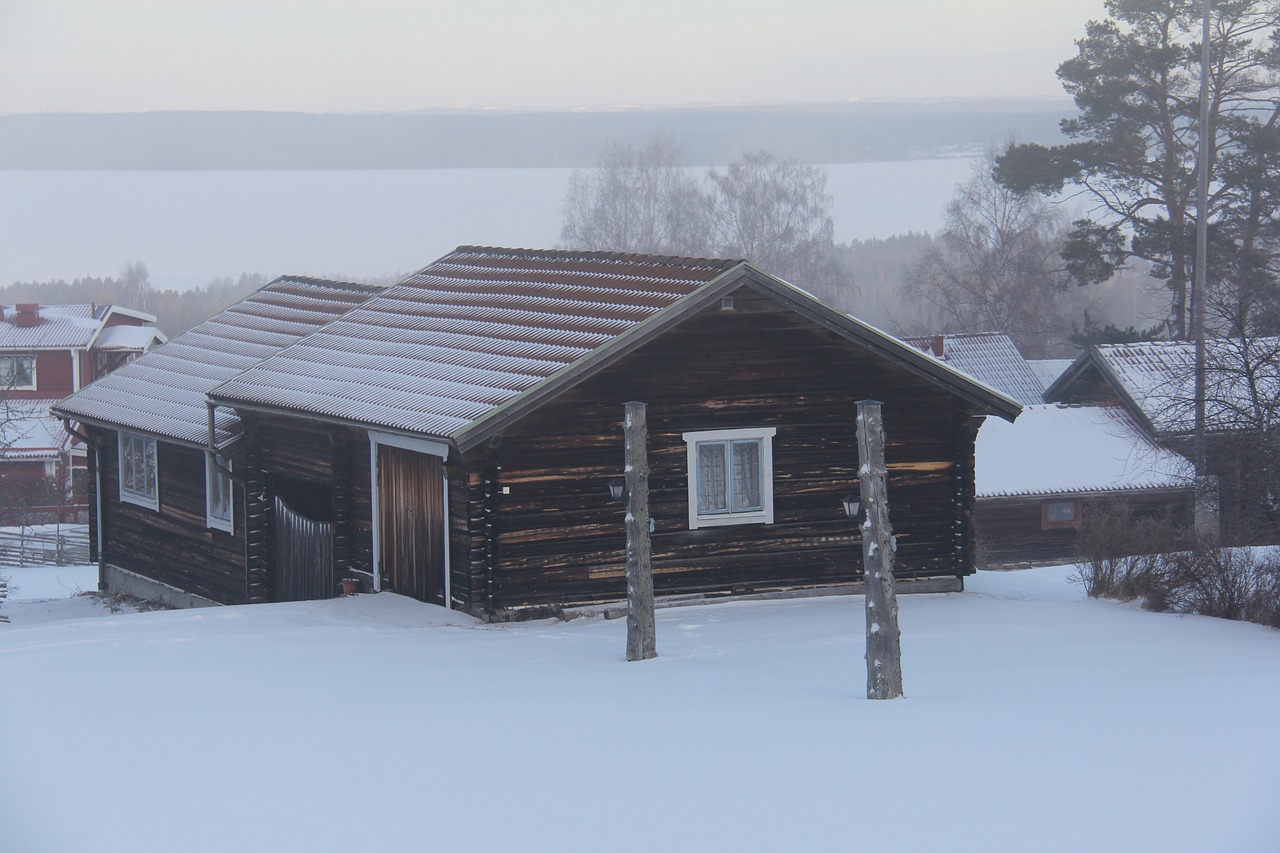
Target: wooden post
884, 650
641, 643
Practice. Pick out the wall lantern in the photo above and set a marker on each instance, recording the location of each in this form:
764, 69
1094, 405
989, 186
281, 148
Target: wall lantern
852, 504
618, 491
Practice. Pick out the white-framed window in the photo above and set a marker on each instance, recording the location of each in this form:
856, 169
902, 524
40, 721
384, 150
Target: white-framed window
219, 499
17, 372
730, 476
139, 471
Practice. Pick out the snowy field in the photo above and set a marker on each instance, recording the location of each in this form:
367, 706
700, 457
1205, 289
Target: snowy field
1035, 720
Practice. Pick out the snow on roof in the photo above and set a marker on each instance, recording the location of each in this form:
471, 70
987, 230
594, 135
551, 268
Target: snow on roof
1060, 449
469, 339
466, 334
1159, 376
130, 338
1047, 370
163, 392
990, 357
30, 432
58, 326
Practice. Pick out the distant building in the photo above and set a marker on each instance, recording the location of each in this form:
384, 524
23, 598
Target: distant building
48, 352
1047, 370
1038, 478
990, 357
1154, 382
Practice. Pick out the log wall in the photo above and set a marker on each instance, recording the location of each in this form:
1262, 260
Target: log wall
556, 537
1010, 528
173, 545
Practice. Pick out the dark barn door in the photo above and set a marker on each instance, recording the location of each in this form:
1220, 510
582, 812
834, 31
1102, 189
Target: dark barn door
304, 556
411, 511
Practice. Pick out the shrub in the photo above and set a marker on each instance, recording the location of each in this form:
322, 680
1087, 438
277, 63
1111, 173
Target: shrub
1119, 554
1120, 559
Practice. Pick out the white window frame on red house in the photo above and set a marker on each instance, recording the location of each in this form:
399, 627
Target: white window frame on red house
11, 373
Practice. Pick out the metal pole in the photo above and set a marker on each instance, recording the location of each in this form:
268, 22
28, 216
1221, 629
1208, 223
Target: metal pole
1201, 276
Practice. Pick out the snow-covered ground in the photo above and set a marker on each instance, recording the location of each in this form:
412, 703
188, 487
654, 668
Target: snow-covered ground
1034, 720
39, 582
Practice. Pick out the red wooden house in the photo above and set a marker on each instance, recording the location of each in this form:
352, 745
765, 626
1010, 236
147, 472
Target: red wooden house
46, 353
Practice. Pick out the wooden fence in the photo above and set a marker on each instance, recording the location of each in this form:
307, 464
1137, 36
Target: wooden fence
60, 545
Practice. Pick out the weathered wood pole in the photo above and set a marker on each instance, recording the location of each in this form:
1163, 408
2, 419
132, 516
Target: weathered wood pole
884, 649
641, 641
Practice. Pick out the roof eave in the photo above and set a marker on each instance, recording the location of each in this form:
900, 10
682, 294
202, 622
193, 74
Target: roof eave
114, 426
287, 412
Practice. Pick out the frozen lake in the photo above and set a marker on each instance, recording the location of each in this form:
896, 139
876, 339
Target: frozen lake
191, 227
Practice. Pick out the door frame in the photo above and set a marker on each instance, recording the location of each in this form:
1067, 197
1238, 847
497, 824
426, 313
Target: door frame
416, 445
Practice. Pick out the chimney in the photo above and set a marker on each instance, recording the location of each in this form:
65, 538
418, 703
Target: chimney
26, 314
936, 346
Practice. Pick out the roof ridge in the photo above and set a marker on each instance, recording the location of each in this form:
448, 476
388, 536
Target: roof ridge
595, 255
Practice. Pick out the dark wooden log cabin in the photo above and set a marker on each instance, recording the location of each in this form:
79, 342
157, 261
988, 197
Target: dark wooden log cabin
1153, 381
163, 533
455, 436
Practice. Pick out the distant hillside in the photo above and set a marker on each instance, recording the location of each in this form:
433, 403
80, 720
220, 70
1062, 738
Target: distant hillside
828, 133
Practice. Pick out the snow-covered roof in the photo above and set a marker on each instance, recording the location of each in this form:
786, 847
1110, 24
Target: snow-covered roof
55, 327
484, 332
30, 432
58, 326
989, 357
1047, 370
1157, 378
1060, 449
163, 392
128, 338
465, 335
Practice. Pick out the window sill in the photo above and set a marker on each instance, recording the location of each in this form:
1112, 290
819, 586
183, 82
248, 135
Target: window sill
152, 504
227, 527
730, 520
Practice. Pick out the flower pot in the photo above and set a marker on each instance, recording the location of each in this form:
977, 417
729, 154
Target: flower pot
350, 586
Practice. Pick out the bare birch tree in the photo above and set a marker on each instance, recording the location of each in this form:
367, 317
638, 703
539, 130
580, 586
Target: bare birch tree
996, 266
636, 200
774, 213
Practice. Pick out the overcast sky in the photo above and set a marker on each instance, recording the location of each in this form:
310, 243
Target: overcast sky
387, 55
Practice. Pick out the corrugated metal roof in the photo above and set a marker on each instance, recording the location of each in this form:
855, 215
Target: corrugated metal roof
1159, 376
989, 357
1060, 449
73, 327
163, 392
465, 335
57, 327
1047, 370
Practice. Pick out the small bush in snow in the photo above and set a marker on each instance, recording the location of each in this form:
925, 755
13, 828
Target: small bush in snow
1119, 554
1120, 559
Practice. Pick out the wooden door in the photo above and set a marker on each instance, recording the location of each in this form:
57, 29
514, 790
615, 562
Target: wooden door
411, 518
304, 556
